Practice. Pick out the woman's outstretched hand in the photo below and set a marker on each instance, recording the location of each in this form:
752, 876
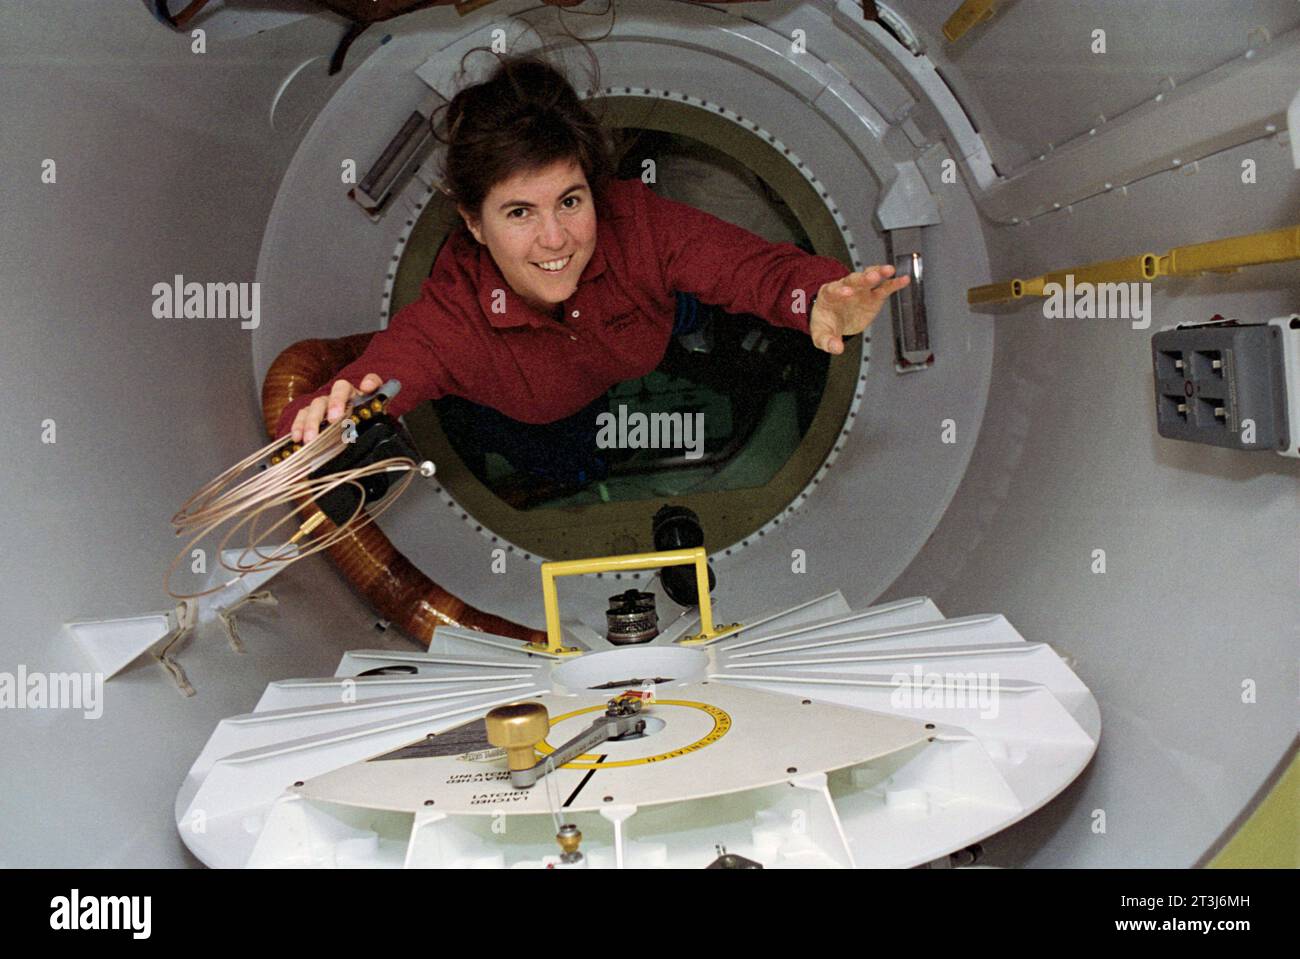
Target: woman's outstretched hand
333, 407
846, 307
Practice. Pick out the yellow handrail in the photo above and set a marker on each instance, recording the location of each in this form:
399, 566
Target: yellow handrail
1214, 256
1252, 249
630, 561
966, 16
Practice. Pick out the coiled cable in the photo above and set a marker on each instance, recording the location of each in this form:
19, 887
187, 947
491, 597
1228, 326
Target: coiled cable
242, 496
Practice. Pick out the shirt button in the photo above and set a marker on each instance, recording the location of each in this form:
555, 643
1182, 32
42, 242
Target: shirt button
575, 314
572, 337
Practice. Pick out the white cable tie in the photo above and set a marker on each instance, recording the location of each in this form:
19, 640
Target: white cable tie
549, 784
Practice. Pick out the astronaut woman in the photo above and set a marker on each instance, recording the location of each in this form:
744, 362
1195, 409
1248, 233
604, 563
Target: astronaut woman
564, 280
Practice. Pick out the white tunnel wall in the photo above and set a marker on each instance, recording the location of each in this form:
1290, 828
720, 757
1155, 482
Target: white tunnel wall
166, 164
1199, 592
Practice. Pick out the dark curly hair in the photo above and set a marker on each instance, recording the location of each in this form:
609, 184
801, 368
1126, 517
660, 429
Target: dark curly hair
523, 118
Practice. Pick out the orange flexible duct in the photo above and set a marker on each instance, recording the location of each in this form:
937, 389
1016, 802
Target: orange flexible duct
398, 591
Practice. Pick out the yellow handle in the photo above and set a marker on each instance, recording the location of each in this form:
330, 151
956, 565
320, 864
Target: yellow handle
1215, 256
607, 564
966, 16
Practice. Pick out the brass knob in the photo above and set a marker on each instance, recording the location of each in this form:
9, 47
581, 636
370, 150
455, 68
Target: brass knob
517, 728
569, 837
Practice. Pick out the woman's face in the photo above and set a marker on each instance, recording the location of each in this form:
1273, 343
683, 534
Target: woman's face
540, 228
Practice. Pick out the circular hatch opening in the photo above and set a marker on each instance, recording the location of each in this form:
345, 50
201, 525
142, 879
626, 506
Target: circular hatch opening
752, 410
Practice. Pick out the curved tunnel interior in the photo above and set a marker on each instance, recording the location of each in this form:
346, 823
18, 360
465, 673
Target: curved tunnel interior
1015, 478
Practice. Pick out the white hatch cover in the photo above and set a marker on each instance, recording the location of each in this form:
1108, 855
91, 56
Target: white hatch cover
702, 739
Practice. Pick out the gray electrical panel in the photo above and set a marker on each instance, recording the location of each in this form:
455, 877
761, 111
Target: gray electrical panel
1222, 384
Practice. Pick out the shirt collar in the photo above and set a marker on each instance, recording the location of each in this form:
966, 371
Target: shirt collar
517, 311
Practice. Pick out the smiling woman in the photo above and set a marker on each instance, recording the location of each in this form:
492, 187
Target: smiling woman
566, 280
525, 163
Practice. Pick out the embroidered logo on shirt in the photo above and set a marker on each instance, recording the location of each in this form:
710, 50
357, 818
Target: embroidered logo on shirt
616, 324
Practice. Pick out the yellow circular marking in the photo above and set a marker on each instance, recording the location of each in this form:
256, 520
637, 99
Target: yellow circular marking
721, 725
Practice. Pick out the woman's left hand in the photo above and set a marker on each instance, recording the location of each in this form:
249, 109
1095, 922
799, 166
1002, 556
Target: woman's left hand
846, 307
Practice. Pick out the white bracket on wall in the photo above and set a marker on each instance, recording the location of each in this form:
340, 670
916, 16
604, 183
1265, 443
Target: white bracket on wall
1290, 327
1293, 128
964, 141
113, 644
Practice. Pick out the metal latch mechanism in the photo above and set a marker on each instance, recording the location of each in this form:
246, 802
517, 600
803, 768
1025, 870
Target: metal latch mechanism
519, 727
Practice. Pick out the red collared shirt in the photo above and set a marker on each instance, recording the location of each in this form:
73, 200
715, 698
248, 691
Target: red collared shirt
470, 335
